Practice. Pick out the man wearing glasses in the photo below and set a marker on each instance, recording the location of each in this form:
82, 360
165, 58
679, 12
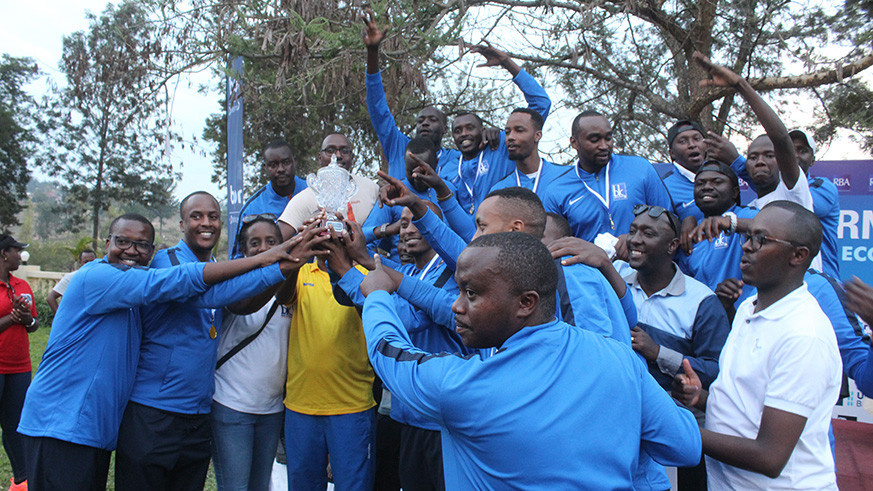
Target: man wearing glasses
74, 406
769, 410
280, 167
304, 203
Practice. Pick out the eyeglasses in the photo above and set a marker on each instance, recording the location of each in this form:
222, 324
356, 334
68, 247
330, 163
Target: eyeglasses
759, 240
124, 244
655, 212
262, 216
333, 150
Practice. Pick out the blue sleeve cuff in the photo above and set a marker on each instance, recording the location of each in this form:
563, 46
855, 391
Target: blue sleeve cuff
351, 284
629, 308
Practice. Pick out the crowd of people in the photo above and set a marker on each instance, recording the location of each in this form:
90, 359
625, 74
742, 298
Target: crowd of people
483, 319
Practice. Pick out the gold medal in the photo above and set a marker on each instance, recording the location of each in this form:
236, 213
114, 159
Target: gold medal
213, 332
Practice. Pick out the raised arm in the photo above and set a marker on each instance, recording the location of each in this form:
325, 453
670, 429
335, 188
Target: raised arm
776, 130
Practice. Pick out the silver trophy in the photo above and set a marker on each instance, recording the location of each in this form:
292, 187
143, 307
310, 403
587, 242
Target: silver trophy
333, 188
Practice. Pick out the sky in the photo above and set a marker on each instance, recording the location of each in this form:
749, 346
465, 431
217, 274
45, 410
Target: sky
35, 28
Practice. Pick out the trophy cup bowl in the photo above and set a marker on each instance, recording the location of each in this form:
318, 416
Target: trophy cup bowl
333, 188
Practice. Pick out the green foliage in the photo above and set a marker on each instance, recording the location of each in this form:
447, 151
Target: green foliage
107, 128
17, 139
43, 312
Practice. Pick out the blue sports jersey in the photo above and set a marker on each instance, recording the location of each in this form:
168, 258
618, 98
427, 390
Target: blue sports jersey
478, 175
423, 331
392, 139
826, 205
582, 197
514, 419
713, 262
176, 369
86, 374
680, 186
265, 200
856, 355
548, 174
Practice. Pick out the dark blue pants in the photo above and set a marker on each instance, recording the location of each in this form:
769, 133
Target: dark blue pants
13, 387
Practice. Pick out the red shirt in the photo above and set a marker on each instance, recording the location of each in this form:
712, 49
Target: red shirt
14, 344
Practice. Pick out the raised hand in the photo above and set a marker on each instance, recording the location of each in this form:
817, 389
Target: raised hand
490, 137
495, 57
580, 251
356, 244
373, 35
300, 248
721, 76
860, 296
426, 175
720, 148
377, 280
686, 386
710, 228
686, 234
395, 193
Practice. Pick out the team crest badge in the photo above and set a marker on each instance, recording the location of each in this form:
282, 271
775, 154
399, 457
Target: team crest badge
619, 191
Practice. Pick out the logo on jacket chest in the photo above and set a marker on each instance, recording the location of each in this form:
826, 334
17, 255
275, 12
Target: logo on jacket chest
619, 191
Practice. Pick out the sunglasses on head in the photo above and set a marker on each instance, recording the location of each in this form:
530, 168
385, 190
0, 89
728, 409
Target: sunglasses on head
655, 212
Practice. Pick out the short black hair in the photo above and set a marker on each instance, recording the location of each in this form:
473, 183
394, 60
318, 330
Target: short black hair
134, 217
422, 145
441, 114
468, 113
805, 227
584, 114
561, 223
184, 201
88, 251
278, 143
523, 204
525, 264
243, 236
535, 117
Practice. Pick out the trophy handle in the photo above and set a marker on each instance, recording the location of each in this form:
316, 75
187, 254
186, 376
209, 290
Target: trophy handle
312, 181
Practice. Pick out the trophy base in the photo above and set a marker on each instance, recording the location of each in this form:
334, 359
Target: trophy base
336, 225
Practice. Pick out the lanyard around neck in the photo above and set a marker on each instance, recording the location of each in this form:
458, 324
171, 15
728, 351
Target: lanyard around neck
461, 177
604, 201
430, 264
536, 178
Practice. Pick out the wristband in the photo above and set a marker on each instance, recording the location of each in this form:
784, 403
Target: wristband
382, 230
445, 198
733, 217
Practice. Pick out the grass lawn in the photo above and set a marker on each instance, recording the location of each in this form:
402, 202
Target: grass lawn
37, 347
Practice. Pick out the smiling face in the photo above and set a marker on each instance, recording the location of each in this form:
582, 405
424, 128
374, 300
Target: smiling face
486, 306
688, 149
714, 193
260, 237
522, 137
279, 166
431, 123
201, 224
467, 133
651, 242
762, 166
593, 142
416, 245
133, 231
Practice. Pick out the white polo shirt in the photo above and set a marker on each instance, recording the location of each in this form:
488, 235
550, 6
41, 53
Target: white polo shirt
784, 357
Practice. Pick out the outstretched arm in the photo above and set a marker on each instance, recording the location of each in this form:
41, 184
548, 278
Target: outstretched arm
776, 130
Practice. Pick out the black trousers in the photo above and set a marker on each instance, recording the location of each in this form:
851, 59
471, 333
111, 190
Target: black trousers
58, 465
421, 459
160, 450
